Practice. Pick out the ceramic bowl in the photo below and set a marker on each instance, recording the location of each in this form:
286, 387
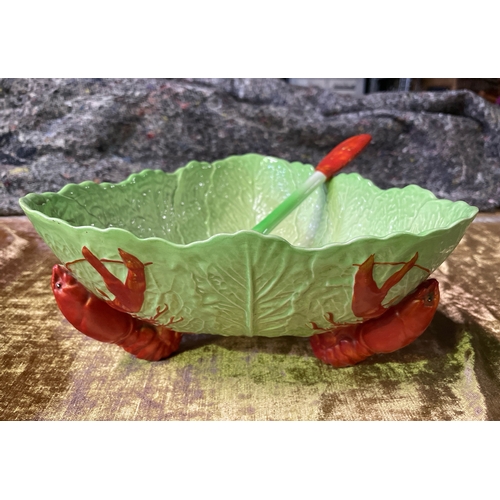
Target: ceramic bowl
204, 264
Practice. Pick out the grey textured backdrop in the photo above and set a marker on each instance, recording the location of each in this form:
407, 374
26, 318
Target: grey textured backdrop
55, 131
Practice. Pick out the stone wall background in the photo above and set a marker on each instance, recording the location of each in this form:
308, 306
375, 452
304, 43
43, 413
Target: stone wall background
56, 131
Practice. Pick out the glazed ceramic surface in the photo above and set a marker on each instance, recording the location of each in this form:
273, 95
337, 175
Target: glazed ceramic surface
206, 268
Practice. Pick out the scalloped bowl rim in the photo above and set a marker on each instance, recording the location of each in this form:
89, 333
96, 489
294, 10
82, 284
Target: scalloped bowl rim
22, 201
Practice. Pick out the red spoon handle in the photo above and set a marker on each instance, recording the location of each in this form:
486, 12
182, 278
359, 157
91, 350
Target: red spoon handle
342, 154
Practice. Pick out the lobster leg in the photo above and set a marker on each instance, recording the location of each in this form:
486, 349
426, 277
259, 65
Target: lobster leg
97, 319
396, 328
129, 296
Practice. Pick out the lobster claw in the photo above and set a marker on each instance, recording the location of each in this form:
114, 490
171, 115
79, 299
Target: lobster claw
129, 296
97, 319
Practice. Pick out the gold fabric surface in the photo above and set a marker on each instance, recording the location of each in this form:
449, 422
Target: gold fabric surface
49, 371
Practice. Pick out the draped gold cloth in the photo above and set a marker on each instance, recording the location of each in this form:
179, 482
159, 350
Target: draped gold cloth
49, 371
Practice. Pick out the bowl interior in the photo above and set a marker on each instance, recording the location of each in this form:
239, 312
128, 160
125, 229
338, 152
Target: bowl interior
227, 196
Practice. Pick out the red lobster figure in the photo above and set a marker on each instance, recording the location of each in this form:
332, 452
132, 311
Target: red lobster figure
382, 330
111, 321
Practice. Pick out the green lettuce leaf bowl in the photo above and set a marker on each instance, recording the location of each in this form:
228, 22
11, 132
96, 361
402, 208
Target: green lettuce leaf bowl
208, 270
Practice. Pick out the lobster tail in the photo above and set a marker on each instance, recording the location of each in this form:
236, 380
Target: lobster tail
340, 346
151, 342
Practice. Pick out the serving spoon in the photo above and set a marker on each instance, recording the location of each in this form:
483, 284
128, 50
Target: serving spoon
335, 160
